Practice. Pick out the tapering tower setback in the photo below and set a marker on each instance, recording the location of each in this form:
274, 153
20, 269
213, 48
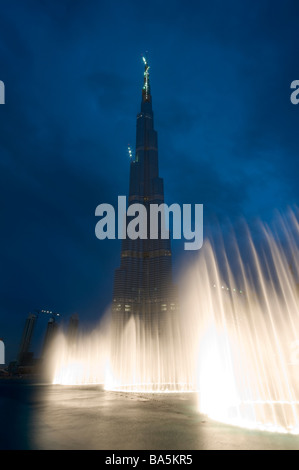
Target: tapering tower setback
143, 284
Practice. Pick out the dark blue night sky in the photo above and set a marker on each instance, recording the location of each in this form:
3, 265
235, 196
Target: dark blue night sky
228, 133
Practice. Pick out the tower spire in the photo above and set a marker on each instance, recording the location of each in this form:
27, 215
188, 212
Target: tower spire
146, 91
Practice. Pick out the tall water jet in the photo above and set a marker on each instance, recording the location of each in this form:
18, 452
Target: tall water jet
135, 359
248, 329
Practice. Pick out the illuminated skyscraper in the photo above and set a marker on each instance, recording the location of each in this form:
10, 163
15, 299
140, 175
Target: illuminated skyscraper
143, 285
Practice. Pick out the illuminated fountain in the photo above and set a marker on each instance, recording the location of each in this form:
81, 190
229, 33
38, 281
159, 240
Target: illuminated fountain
134, 361
236, 341
248, 337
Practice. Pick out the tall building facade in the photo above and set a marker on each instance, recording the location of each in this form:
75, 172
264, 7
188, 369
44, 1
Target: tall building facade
143, 285
72, 332
25, 356
51, 334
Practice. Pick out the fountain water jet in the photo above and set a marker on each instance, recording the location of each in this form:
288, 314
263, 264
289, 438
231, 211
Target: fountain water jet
236, 342
248, 338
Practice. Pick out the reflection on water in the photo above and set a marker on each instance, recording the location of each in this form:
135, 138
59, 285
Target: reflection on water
43, 416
